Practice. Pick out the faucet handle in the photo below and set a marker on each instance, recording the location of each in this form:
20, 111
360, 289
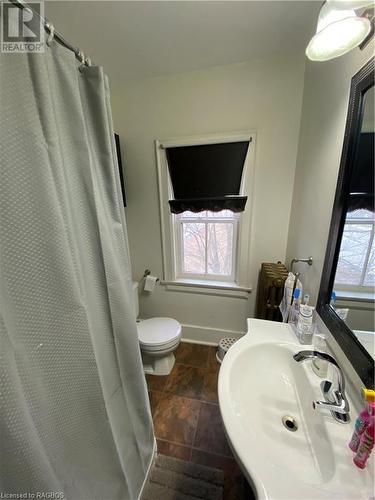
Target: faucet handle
340, 408
333, 396
335, 400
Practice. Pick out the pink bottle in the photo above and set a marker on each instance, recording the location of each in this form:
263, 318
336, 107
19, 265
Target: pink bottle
365, 446
363, 420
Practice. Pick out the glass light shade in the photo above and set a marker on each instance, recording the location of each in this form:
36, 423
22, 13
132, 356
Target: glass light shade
350, 4
338, 32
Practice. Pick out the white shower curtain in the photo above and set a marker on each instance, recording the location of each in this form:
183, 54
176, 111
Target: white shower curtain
75, 417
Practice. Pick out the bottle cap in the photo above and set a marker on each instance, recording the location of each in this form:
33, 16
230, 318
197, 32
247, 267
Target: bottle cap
369, 395
306, 311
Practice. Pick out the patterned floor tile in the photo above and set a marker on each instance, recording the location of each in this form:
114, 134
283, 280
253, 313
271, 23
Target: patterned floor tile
176, 418
186, 381
156, 382
192, 354
173, 450
154, 399
209, 390
210, 431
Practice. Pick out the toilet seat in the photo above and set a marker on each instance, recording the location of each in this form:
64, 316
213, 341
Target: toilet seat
158, 334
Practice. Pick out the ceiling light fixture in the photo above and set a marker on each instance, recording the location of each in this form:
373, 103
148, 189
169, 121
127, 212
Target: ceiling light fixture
338, 32
350, 4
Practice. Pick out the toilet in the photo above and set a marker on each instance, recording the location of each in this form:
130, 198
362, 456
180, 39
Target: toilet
158, 339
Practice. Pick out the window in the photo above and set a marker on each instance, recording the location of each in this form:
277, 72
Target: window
356, 264
209, 249
206, 245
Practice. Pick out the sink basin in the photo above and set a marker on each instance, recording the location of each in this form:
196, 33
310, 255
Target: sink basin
286, 449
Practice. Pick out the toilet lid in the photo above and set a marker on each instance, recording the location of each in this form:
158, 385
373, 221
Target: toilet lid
158, 331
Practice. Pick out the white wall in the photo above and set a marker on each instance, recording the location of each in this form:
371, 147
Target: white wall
264, 96
324, 111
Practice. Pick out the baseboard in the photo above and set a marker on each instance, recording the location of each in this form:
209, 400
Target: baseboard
206, 335
154, 451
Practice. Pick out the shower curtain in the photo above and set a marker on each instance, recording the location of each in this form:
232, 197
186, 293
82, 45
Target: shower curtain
75, 418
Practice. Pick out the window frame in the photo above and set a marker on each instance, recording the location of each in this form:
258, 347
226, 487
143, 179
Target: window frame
171, 265
178, 222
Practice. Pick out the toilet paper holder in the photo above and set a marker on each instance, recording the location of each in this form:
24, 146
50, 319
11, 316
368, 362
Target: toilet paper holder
147, 273
150, 282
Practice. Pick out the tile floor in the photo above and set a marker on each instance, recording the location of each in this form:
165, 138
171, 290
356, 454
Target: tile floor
187, 417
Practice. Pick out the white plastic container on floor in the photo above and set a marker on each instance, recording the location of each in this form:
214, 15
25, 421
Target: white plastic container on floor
223, 347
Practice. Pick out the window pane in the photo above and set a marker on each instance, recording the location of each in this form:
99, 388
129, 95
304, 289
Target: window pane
194, 242
360, 213
227, 214
370, 272
220, 248
354, 244
222, 214
188, 214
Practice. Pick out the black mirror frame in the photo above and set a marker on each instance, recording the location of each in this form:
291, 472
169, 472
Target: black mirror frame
361, 360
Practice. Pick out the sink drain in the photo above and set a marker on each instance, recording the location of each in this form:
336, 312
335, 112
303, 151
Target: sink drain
289, 423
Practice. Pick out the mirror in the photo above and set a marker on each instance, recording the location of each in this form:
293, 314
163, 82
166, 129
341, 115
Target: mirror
346, 295
355, 273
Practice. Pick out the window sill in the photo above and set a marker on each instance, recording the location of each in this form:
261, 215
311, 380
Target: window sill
223, 288
355, 296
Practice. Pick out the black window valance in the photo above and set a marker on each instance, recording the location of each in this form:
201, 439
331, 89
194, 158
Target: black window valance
207, 176
362, 182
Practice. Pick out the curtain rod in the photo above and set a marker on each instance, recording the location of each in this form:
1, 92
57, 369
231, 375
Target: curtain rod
48, 26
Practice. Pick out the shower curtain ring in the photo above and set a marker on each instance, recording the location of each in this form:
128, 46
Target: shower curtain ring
81, 57
51, 29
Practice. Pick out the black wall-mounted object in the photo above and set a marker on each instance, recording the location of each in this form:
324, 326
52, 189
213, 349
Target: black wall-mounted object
207, 176
119, 161
362, 184
361, 360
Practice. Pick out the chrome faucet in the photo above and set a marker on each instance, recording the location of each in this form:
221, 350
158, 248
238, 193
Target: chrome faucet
334, 397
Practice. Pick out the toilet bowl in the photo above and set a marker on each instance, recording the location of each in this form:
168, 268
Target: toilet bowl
158, 339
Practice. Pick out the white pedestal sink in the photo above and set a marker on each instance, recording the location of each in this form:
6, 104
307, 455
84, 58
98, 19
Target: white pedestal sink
259, 384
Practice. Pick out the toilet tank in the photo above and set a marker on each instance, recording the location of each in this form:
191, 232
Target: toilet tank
135, 298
